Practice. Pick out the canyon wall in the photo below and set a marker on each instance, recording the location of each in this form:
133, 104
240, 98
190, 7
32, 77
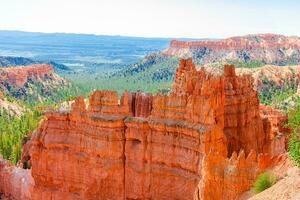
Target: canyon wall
15, 182
177, 146
242, 42
242, 117
276, 76
36, 82
113, 150
258, 48
18, 76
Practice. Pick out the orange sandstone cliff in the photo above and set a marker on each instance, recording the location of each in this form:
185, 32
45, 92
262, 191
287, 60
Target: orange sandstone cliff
265, 48
277, 75
38, 81
208, 139
15, 183
18, 76
267, 41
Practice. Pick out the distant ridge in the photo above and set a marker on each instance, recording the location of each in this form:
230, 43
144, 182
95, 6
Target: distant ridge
266, 48
8, 61
13, 33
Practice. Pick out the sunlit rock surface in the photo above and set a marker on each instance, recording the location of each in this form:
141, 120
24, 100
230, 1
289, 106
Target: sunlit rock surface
15, 182
266, 48
203, 141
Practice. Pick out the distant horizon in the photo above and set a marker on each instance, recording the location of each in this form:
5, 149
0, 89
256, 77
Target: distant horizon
145, 37
153, 19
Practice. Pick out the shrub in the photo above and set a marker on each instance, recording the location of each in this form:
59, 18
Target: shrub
294, 148
263, 182
13, 133
294, 140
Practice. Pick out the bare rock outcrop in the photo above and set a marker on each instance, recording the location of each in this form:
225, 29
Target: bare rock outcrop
242, 42
266, 48
37, 81
18, 76
15, 182
278, 76
141, 146
110, 150
287, 188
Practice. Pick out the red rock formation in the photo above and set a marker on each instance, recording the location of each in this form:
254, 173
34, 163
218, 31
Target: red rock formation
241, 113
141, 105
276, 75
15, 183
35, 82
155, 147
227, 178
242, 119
242, 42
18, 76
266, 48
273, 123
95, 153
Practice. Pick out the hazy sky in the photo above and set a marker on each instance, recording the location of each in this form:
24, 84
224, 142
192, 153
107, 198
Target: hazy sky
155, 18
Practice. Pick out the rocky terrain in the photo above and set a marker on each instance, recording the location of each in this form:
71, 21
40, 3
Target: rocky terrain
208, 139
35, 82
12, 108
15, 182
266, 48
286, 188
278, 75
272, 80
157, 70
278, 86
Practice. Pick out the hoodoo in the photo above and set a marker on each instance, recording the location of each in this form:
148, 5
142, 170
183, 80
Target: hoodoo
208, 139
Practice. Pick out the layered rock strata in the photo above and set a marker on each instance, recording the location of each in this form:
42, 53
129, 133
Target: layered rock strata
112, 150
36, 82
243, 117
155, 147
18, 76
269, 41
15, 182
271, 75
264, 48
274, 124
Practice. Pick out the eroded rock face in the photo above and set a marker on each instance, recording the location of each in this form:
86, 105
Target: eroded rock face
276, 76
267, 48
242, 119
36, 81
156, 147
274, 124
243, 42
15, 182
18, 76
228, 178
242, 116
225, 178
110, 150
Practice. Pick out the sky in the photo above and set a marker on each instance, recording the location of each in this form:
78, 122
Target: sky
153, 18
